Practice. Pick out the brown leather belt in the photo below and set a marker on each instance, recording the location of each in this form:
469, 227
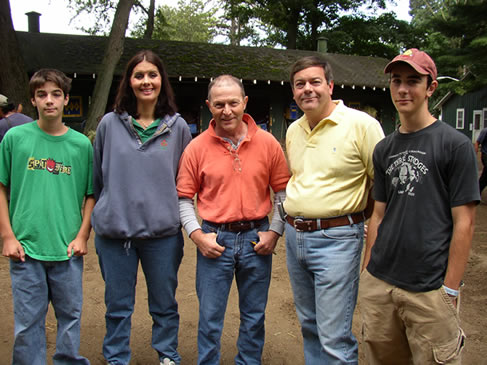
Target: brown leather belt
308, 225
239, 226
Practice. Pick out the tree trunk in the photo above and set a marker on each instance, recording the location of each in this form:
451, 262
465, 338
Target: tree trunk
14, 81
113, 52
292, 30
233, 32
315, 23
150, 21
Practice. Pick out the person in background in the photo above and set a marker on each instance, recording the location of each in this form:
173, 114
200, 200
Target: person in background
136, 217
482, 143
10, 116
231, 167
421, 228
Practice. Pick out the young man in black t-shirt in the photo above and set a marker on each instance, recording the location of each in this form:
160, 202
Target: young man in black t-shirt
420, 232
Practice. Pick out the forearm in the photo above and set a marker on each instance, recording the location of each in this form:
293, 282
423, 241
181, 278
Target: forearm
85, 228
369, 208
463, 228
187, 215
5, 225
277, 223
11, 246
372, 232
369, 243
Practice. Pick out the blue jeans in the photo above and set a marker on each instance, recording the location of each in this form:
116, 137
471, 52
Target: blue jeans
213, 281
34, 284
119, 262
324, 269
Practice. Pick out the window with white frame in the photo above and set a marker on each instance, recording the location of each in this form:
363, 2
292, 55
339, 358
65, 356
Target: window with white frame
484, 118
477, 118
460, 118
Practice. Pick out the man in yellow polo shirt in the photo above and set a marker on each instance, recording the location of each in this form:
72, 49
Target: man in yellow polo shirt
330, 156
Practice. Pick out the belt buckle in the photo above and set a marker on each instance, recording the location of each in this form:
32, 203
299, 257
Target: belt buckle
298, 220
239, 226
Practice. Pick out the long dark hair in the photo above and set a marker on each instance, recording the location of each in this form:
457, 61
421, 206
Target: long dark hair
125, 100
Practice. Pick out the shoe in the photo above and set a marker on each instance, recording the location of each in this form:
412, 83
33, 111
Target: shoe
167, 361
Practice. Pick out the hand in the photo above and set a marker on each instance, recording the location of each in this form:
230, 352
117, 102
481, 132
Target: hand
13, 249
78, 247
267, 242
454, 300
206, 243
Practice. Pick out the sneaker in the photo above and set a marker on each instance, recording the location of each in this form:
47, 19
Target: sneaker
167, 361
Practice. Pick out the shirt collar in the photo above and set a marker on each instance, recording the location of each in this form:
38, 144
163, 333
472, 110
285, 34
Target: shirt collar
251, 127
335, 117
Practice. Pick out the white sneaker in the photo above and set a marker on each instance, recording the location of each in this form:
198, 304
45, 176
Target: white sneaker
167, 361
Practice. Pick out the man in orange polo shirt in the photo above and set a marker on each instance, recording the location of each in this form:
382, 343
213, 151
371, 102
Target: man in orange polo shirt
231, 167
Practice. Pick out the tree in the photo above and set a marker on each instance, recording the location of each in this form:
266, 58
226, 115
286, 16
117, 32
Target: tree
112, 54
189, 22
239, 22
299, 23
14, 82
285, 16
149, 29
102, 13
466, 24
382, 36
455, 33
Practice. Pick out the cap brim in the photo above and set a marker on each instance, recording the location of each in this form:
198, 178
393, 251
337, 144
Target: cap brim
418, 69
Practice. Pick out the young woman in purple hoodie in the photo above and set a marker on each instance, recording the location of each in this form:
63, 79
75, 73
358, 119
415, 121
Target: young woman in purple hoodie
136, 217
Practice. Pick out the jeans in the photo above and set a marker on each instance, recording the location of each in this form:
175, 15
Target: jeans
34, 284
119, 261
324, 269
214, 278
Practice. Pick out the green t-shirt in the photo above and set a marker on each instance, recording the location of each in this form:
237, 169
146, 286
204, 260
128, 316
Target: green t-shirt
49, 176
147, 133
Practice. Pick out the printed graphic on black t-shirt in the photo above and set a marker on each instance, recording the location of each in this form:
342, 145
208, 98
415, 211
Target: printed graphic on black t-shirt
407, 169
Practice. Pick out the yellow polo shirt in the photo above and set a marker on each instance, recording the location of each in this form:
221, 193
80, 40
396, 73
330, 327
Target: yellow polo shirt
331, 165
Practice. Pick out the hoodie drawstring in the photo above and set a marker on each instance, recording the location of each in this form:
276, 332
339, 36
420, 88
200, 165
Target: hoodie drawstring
127, 245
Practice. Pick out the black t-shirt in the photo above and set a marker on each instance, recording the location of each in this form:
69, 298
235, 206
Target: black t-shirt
420, 176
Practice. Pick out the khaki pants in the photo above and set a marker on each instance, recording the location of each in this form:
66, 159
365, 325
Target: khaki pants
403, 328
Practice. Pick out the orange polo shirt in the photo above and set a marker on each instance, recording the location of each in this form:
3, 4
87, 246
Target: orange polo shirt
232, 185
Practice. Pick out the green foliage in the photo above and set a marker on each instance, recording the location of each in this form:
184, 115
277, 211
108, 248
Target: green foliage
239, 22
298, 23
98, 14
456, 38
101, 13
382, 36
189, 22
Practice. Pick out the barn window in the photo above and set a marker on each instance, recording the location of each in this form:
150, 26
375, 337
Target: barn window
460, 118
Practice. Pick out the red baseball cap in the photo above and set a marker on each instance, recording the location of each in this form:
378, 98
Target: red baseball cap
418, 60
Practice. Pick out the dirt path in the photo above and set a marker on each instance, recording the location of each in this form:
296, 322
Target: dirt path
283, 337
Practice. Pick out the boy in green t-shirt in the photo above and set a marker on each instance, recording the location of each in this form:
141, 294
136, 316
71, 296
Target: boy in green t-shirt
48, 168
